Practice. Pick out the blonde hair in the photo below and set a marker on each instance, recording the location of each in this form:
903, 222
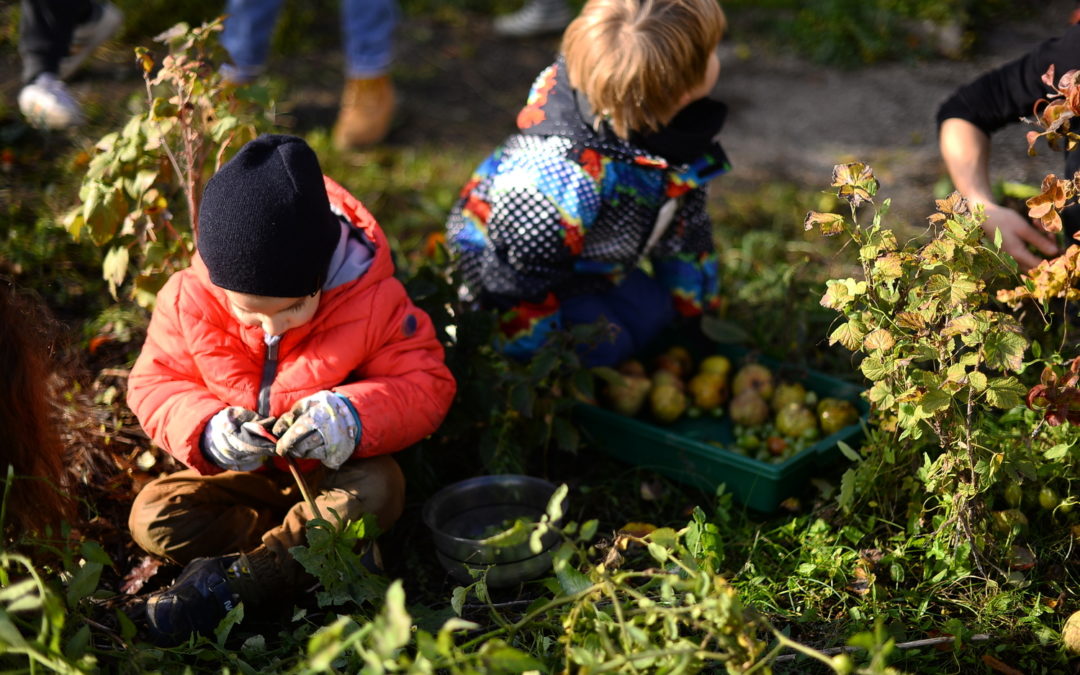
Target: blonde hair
634, 59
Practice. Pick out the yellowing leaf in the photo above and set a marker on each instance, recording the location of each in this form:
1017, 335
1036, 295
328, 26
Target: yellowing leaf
879, 339
114, 267
1050, 279
840, 293
882, 395
961, 325
848, 334
912, 321
889, 266
937, 284
977, 380
855, 182
956, 373
954, 204
829, 223
635, 529
938, 250
74, 222
961, 288
143, 58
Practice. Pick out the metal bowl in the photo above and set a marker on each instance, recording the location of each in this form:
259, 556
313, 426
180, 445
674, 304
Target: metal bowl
459, 516
499, 575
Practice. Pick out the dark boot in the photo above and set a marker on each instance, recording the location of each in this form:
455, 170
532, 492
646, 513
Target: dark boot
195, 603
208, 588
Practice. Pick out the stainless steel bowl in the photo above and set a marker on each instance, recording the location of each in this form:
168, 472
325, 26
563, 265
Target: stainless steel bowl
499, 575
460, 514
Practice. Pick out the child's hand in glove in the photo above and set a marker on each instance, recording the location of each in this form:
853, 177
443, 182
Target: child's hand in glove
230, 445
323, 426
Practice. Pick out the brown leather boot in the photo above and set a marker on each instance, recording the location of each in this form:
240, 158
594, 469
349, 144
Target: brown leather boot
367, 106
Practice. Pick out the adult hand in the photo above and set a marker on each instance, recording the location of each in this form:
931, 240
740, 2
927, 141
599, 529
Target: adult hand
1016, 232
323, 426
229, 441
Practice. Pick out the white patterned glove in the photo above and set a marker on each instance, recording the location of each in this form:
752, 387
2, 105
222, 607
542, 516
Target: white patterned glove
323, 426
227, 443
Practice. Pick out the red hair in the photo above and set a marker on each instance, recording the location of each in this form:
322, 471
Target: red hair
29, 442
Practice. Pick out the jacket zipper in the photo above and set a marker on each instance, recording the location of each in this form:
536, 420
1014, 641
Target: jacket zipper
663, 220
269, 370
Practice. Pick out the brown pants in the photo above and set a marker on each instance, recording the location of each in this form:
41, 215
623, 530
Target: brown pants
187, 515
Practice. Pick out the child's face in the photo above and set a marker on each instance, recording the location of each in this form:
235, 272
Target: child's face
712, 72
274, 315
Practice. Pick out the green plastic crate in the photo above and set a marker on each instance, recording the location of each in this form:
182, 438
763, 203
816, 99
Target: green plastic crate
682, 450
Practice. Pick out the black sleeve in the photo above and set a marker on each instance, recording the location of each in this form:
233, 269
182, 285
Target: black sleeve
1004, 95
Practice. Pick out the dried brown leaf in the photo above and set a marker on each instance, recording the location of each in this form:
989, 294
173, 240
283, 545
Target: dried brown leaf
863, 581
139, 575
1000, 666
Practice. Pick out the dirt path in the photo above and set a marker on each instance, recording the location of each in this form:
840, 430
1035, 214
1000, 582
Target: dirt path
794, 120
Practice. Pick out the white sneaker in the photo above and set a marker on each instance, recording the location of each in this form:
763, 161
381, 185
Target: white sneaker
537, 17
47, 104
105, 19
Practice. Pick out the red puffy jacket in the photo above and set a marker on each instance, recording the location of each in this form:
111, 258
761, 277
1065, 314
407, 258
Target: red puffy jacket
366, 341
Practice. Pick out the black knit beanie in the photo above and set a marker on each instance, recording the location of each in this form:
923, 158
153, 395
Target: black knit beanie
265, 225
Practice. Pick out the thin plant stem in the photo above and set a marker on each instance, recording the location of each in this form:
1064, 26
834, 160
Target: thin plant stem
301, 482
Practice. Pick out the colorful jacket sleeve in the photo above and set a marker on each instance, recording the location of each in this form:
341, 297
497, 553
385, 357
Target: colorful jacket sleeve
404, 389
685, 260
540, 204
166, 391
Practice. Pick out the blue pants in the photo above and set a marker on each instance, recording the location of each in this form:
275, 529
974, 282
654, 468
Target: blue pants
367, 33
639, 307
45, 31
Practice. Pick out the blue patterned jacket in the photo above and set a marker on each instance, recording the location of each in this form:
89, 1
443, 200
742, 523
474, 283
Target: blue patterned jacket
566, 207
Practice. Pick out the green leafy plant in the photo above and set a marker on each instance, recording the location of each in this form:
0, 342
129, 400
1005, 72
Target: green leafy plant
35, 610
334, 556
941, 361
509, 412
140, 192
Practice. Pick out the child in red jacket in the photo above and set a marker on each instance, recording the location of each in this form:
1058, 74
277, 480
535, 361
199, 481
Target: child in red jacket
290, 322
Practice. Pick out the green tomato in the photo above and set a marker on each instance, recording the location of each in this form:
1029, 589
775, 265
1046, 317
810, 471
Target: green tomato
842, 664
1048, 498
1014, 494
1010, 520
748, 441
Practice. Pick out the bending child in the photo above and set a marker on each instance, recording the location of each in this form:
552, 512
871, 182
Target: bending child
290, 325
606, 173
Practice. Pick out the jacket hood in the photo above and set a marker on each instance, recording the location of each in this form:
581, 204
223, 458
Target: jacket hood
555, 108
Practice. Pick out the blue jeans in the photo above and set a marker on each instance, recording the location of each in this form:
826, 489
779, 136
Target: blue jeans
45, 31
367, 33
639, 307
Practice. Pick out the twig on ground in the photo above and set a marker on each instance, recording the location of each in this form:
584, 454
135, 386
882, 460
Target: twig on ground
914, 644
